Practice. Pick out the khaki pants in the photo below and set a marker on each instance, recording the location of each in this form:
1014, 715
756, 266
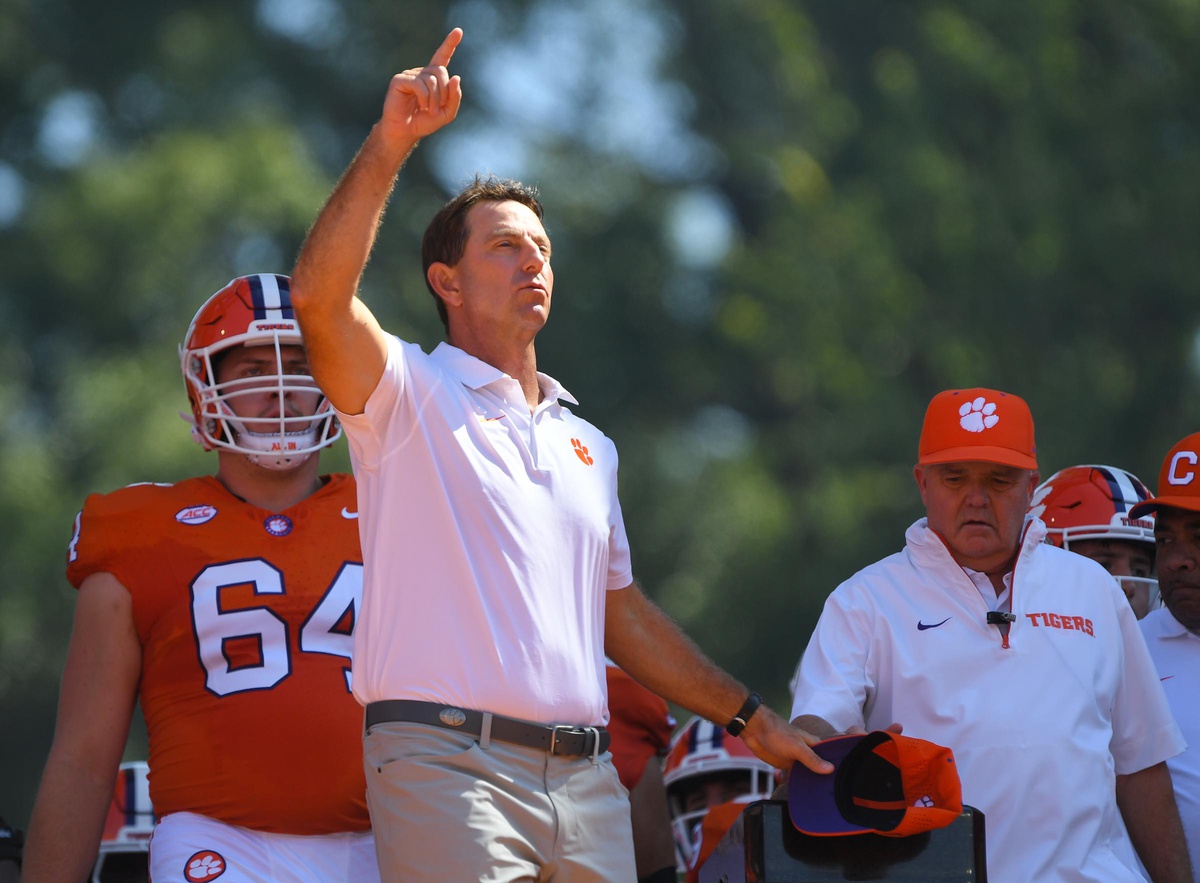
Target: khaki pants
445, 809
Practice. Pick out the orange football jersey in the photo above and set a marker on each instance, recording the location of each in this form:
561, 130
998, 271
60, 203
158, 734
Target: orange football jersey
640, 724
245, 618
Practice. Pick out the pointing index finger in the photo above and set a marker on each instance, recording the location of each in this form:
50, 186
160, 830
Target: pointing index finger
441, 58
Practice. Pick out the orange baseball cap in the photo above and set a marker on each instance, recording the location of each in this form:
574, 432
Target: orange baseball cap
882, 783
978, 424
1178, 480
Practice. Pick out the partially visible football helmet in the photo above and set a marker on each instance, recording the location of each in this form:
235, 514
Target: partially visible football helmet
252, 311
1092, 503
701, 751
125, 841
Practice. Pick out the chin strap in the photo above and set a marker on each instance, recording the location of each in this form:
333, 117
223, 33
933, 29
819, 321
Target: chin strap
197, 436
277, 464
276, 460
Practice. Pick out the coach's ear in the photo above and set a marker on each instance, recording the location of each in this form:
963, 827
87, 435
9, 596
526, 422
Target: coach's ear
443, 279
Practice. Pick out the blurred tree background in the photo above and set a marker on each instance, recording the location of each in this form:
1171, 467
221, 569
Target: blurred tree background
780, 227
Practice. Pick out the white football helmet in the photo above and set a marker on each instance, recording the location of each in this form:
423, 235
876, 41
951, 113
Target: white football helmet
252, 311
125, 841
1092, 503
701, 752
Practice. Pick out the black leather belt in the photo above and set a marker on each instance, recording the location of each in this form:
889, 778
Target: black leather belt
562, 740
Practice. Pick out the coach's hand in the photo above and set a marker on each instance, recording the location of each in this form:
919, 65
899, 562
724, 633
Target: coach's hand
421, 100
779, 743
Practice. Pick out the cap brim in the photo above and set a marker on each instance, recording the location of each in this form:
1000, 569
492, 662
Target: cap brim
1148, 507
979, 454
811, 802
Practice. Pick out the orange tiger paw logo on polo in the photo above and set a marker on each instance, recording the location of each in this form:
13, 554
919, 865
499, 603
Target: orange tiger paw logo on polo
204, 865
581, 451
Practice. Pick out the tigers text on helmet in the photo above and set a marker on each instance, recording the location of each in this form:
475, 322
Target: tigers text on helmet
252, 311
125, 841
1092, 502
700, 753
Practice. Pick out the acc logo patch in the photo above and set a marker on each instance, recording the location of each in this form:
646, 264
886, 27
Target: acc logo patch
278, 525
204, 865
196, 514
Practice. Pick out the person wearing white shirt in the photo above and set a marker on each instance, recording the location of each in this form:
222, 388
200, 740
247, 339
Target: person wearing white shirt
497, 573
1173, 633
1023, 658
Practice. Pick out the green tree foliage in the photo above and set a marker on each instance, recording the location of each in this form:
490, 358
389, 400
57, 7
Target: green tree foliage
933, 195
779, 228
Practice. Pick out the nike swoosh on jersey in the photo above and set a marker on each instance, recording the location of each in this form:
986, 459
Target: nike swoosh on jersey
346, 513
921, 626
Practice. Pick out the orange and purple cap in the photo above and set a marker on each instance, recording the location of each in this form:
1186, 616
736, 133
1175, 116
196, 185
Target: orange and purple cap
1178, 480
978, 424
882, 783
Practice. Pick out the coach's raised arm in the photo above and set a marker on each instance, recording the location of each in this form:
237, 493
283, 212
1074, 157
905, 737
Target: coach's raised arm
347, 348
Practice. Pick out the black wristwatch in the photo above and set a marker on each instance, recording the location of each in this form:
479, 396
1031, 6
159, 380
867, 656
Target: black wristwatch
744, 714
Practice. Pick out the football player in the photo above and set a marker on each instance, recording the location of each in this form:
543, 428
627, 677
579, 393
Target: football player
226, 605
1086, 510
710, 777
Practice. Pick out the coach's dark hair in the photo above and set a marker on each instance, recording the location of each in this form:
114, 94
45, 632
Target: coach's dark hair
446, 236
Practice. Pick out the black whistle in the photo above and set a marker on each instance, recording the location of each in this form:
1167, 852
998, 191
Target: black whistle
1000, 617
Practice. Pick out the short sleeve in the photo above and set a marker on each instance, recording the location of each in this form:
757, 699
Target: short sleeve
620, 564
93, 547
1144, 729
365, 432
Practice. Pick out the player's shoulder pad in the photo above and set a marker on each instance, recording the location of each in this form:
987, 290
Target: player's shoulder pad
141, 496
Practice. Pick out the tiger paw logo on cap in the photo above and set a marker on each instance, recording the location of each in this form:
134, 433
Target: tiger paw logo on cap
978, 415
983, 425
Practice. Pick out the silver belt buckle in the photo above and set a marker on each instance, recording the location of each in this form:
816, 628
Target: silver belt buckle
554, 730
595, 732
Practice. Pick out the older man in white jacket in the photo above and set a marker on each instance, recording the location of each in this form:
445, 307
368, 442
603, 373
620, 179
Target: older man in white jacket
1025, 659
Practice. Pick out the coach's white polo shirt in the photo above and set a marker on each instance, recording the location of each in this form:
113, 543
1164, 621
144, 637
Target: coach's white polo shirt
490, 536
1039, 729
1176, 655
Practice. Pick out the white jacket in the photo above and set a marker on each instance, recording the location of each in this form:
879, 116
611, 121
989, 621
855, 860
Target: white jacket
1039, 728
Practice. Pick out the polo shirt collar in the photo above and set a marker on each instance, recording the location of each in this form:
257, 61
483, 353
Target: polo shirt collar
475, 373
1172, 627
